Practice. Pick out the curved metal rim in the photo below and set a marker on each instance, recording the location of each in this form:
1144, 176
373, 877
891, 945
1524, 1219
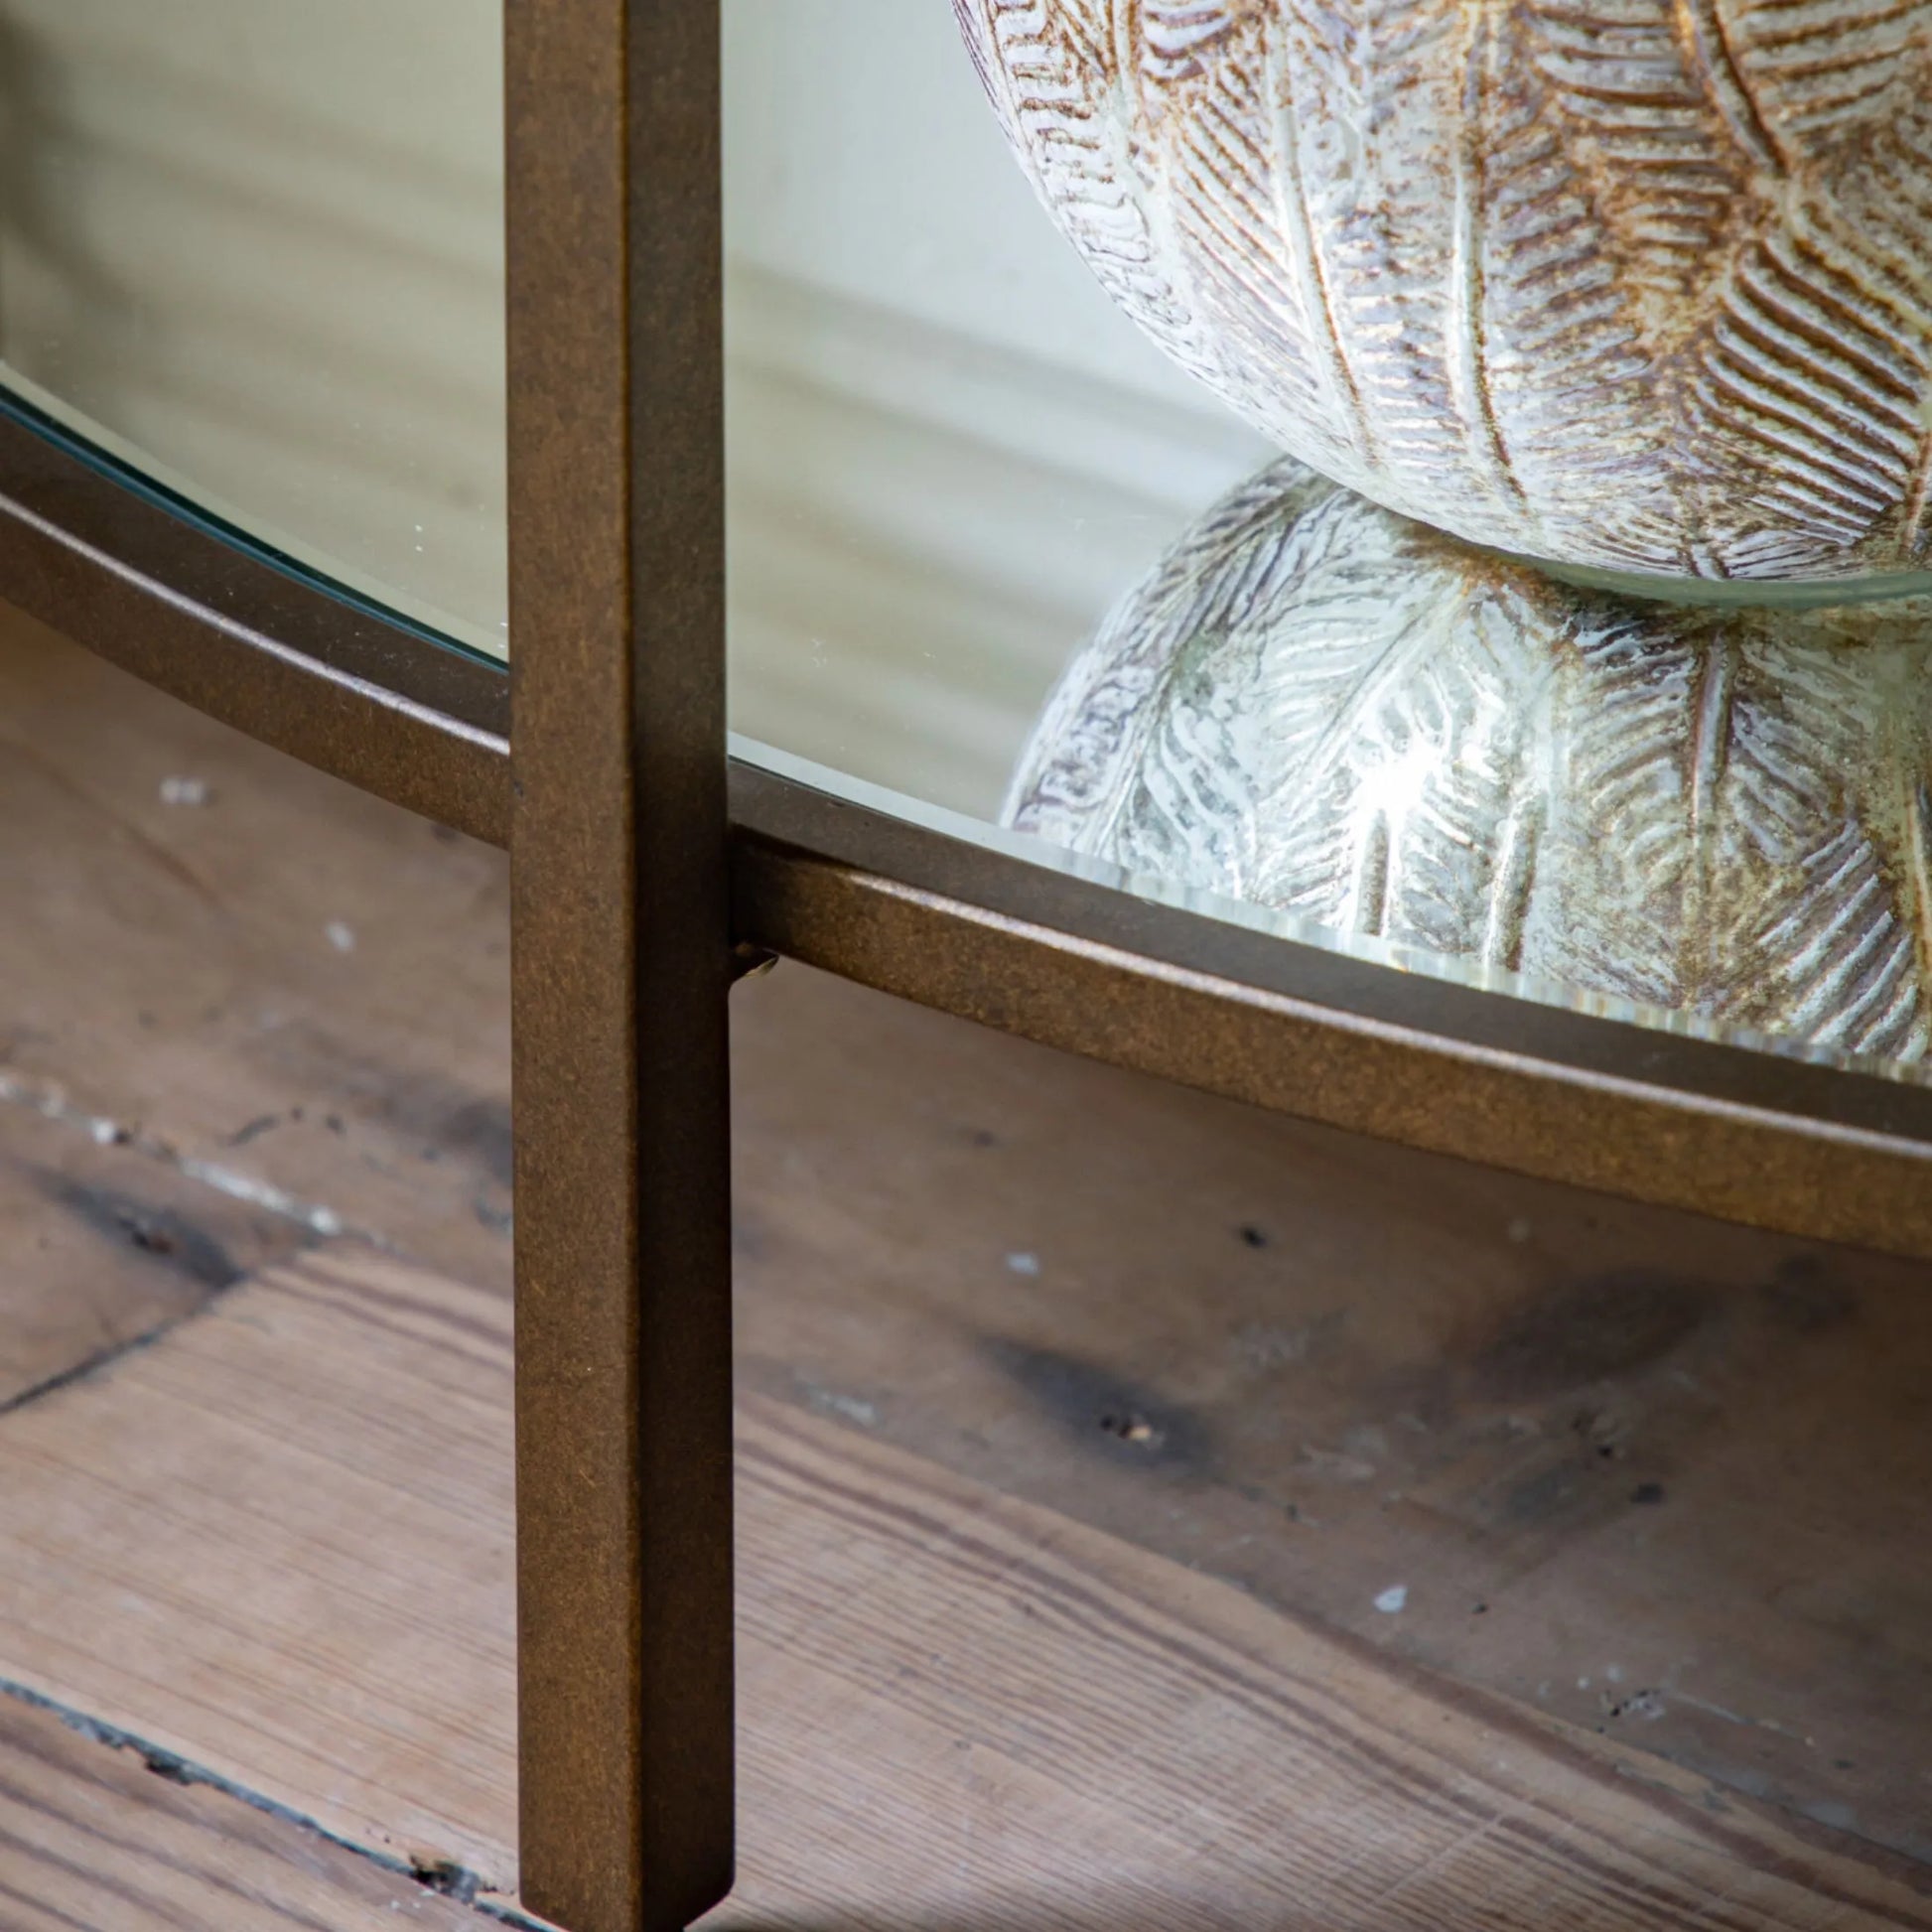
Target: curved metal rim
1810, 1150
258, 645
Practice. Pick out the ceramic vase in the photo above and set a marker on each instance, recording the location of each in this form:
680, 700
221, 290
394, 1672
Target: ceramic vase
1642, 286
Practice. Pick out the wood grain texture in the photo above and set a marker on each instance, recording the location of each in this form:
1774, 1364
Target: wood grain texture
278, 1544
90, 1837
1654, 1474
104, 1245
1630, 283
1281, 1302
1037, 1725
293, 990
959, 1709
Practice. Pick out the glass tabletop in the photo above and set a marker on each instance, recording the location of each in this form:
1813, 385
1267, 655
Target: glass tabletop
1001, 566
252, 250
997, 562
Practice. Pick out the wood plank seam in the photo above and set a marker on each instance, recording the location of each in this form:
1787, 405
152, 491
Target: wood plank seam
445, 1877
46, 1099
105, 1358
1030, 1722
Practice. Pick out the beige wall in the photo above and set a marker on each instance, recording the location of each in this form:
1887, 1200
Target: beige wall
860, 157
259, 242
950, 454
256, 245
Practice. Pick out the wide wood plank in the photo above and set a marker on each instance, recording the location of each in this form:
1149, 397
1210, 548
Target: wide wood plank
277, 1542
983, 1715
1636, 1469
296, 990
102, 1245
91, 1837
1318, 1369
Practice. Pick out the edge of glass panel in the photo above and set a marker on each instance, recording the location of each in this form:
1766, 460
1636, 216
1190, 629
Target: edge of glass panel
86, 442
1419, 962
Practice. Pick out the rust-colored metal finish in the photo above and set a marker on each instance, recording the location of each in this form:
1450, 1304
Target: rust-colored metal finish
621, 962
1804, 1148
1807, 1150
633, 874
262, 649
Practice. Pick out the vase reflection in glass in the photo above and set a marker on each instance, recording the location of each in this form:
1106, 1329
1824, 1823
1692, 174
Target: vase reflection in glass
1320, 707
1641, 288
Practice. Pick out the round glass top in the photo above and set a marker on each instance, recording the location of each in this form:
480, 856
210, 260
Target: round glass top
1000, 566
254, 250
995, 563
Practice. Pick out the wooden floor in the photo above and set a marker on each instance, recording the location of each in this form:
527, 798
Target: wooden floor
1154, 1514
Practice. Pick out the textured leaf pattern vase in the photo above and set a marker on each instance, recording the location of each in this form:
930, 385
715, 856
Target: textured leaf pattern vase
1319, 706
1643, 285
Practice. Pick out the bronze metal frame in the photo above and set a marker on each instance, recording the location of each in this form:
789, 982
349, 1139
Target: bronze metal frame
620, 962
1785, 1144
270, 650
635, 867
